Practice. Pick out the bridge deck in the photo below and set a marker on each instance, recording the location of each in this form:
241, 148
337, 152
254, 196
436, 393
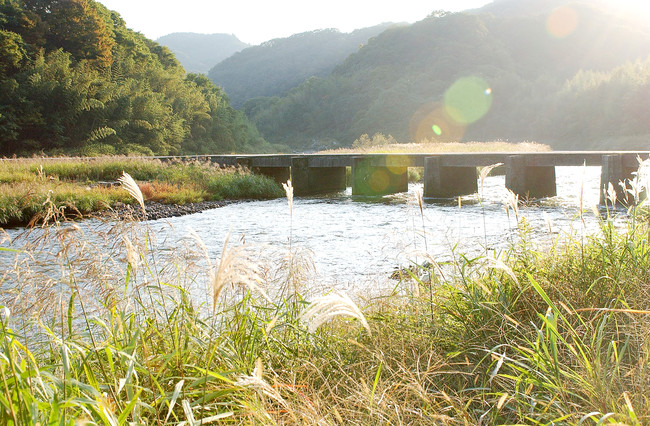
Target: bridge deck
473, 159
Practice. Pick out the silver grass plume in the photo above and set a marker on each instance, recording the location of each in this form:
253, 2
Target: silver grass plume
494, 263
324, 308
132, 188
288, 189
610, 194
236, 267
512, 202
256, 381
485, 171
199, 242
132, 256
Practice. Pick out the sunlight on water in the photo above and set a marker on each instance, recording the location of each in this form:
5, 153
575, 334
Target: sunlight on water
358, 241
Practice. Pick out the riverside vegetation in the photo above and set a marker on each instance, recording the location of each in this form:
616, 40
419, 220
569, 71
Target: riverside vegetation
30, 187
536, 335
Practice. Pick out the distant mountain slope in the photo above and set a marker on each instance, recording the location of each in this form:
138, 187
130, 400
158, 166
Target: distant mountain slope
276, 66
198, 53
478, 77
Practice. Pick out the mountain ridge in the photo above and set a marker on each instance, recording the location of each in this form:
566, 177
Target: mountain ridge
198, 53
276, 66
541, 85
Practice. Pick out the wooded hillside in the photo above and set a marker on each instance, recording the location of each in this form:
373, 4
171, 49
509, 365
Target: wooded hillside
75, 80
515, 75
276, 66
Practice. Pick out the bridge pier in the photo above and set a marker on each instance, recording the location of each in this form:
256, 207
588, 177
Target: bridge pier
446, 182
529, 181
278, 174
615, 170
308, 180
370, 179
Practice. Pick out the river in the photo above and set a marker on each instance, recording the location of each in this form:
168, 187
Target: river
356, 242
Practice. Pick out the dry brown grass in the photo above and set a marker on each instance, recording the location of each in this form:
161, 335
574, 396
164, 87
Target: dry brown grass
440, 147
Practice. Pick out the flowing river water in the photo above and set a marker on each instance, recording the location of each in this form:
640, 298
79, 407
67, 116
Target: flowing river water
356, 242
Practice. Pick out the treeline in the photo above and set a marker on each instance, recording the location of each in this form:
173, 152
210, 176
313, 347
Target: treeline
276, 66
586, 88
75, 80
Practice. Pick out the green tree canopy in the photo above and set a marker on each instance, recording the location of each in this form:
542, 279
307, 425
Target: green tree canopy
75, 79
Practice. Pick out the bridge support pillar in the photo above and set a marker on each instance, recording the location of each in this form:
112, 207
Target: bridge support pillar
278, 174
308, 180
614, 170
529, 181
446, 182
369, 179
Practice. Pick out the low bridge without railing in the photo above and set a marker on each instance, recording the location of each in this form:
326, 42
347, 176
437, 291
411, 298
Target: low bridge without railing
445, 175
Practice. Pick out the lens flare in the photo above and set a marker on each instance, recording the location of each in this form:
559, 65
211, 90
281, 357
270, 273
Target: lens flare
432, 122
562, 21
379, 180
468, 100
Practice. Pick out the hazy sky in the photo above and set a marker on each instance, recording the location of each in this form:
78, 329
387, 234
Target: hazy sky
256, 21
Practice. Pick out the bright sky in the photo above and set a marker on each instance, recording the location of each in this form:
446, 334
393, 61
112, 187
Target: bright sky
256, 21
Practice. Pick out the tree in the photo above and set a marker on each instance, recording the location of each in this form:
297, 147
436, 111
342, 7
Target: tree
76, 27
12, 52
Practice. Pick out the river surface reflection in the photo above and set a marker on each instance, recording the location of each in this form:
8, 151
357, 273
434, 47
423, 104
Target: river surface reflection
356, 242
359, 239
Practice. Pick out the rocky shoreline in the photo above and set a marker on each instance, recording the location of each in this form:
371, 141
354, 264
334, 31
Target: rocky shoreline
157, 210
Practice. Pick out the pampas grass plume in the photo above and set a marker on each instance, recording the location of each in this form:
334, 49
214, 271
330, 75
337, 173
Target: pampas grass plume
237, 269
324, 308
485, 171
288, 189
132, 188
512, 202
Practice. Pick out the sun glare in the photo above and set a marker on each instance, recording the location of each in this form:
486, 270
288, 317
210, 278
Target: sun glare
638, 8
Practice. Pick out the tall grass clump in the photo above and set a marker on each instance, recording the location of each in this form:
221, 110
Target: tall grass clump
103, 326
90, 185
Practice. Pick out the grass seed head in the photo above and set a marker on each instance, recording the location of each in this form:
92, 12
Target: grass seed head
288, 189
133, 189
610, 194
236, 267
324, 308
485, 171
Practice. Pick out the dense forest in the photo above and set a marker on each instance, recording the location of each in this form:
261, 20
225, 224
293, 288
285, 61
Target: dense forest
75, 80
508, 74
276, 66
198, 53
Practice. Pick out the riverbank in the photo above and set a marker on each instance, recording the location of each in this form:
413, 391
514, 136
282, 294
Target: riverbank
553, 334
33, 190
157, 210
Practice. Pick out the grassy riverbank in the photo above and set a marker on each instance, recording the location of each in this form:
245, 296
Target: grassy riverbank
540, 335
28, 187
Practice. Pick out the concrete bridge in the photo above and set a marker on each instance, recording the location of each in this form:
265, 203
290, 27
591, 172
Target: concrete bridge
445, 175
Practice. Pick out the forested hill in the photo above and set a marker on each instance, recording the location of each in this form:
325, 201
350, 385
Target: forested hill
576, 77
198, 53
75, 80
276, 66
